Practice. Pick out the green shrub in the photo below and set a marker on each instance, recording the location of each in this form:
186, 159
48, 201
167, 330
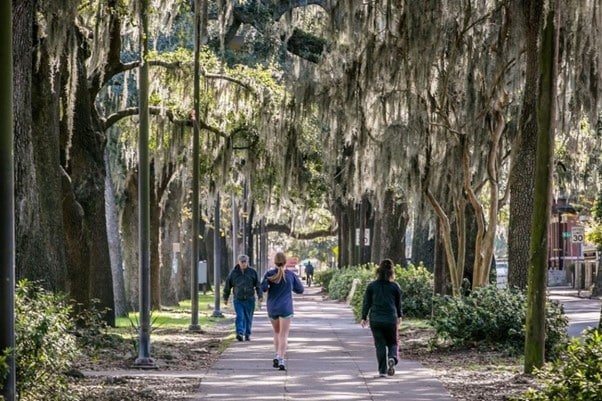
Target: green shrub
323, 277
575, 376
495, 316
365, 276
415, 281
341, 282
416, 284
45, 345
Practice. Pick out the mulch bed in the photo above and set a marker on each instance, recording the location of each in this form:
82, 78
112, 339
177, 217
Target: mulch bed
475, 374
469, 374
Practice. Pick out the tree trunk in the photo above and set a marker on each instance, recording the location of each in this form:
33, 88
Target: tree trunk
121, 304
171, 232
423, 238
485, 234
390, 230
337, 210
249, 230
155, 228
129, 236
39, 230
538, 251
84, 163
522, 172
78, 254
442, 281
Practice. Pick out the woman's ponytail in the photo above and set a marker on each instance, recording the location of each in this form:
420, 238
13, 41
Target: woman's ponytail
280, 262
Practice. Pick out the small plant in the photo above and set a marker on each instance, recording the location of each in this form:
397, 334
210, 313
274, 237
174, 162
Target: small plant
575, 376
135, 326
3, 367
90, 325
45, 345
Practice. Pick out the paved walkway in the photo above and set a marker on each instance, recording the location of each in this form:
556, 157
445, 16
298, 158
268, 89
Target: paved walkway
330, 358
582, 312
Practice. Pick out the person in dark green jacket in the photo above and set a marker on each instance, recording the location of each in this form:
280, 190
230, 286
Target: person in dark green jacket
245, 283
382, 303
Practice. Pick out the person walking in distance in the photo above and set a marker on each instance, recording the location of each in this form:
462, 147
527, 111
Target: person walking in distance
382, 303
245, 283
309, 273
279, 284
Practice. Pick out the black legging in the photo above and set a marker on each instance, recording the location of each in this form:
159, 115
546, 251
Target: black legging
385, 341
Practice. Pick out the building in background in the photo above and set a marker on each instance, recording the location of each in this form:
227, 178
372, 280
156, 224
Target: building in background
571, 262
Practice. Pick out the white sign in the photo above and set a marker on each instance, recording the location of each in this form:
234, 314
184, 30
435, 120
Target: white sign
176, 247
365, 239
577, 235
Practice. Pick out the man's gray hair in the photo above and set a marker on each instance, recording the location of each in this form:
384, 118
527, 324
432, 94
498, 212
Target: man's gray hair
243, 258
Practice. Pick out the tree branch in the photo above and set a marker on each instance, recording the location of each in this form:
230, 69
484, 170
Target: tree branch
284, 6
135, 64
285, 229
302, 44
132, 111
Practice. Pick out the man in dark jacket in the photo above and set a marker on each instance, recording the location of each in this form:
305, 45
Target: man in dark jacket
309, 273
245, 283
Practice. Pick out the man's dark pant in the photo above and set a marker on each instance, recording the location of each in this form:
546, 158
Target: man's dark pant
385, 341
244, 315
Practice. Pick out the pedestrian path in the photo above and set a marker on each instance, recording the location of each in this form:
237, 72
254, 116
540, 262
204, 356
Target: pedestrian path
330, 358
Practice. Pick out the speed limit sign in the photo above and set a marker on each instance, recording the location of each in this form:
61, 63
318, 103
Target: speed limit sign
577, 235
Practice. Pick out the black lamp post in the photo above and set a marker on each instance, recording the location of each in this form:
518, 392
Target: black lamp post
217, 259
7, 216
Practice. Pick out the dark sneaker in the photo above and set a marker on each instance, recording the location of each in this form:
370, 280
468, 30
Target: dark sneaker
276, 363
247, 338
239, 337
281, 365
391, 365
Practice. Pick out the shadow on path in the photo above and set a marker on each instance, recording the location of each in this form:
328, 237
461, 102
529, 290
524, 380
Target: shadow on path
330, 358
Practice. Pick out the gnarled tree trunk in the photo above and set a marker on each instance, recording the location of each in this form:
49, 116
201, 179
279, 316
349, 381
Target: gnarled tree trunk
39, 231
84, 162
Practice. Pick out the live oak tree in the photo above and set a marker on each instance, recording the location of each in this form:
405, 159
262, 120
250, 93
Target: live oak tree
376, 109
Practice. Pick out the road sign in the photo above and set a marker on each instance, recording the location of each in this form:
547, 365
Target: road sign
577, 234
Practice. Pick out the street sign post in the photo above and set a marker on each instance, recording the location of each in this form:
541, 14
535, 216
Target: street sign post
577, 234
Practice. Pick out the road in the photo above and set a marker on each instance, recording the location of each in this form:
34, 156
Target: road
582, 312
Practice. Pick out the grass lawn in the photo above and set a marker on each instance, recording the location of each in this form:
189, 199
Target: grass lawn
174, 317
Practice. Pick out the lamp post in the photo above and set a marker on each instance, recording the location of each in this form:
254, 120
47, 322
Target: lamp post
7, 206
194, 282
144, 360
217, 259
